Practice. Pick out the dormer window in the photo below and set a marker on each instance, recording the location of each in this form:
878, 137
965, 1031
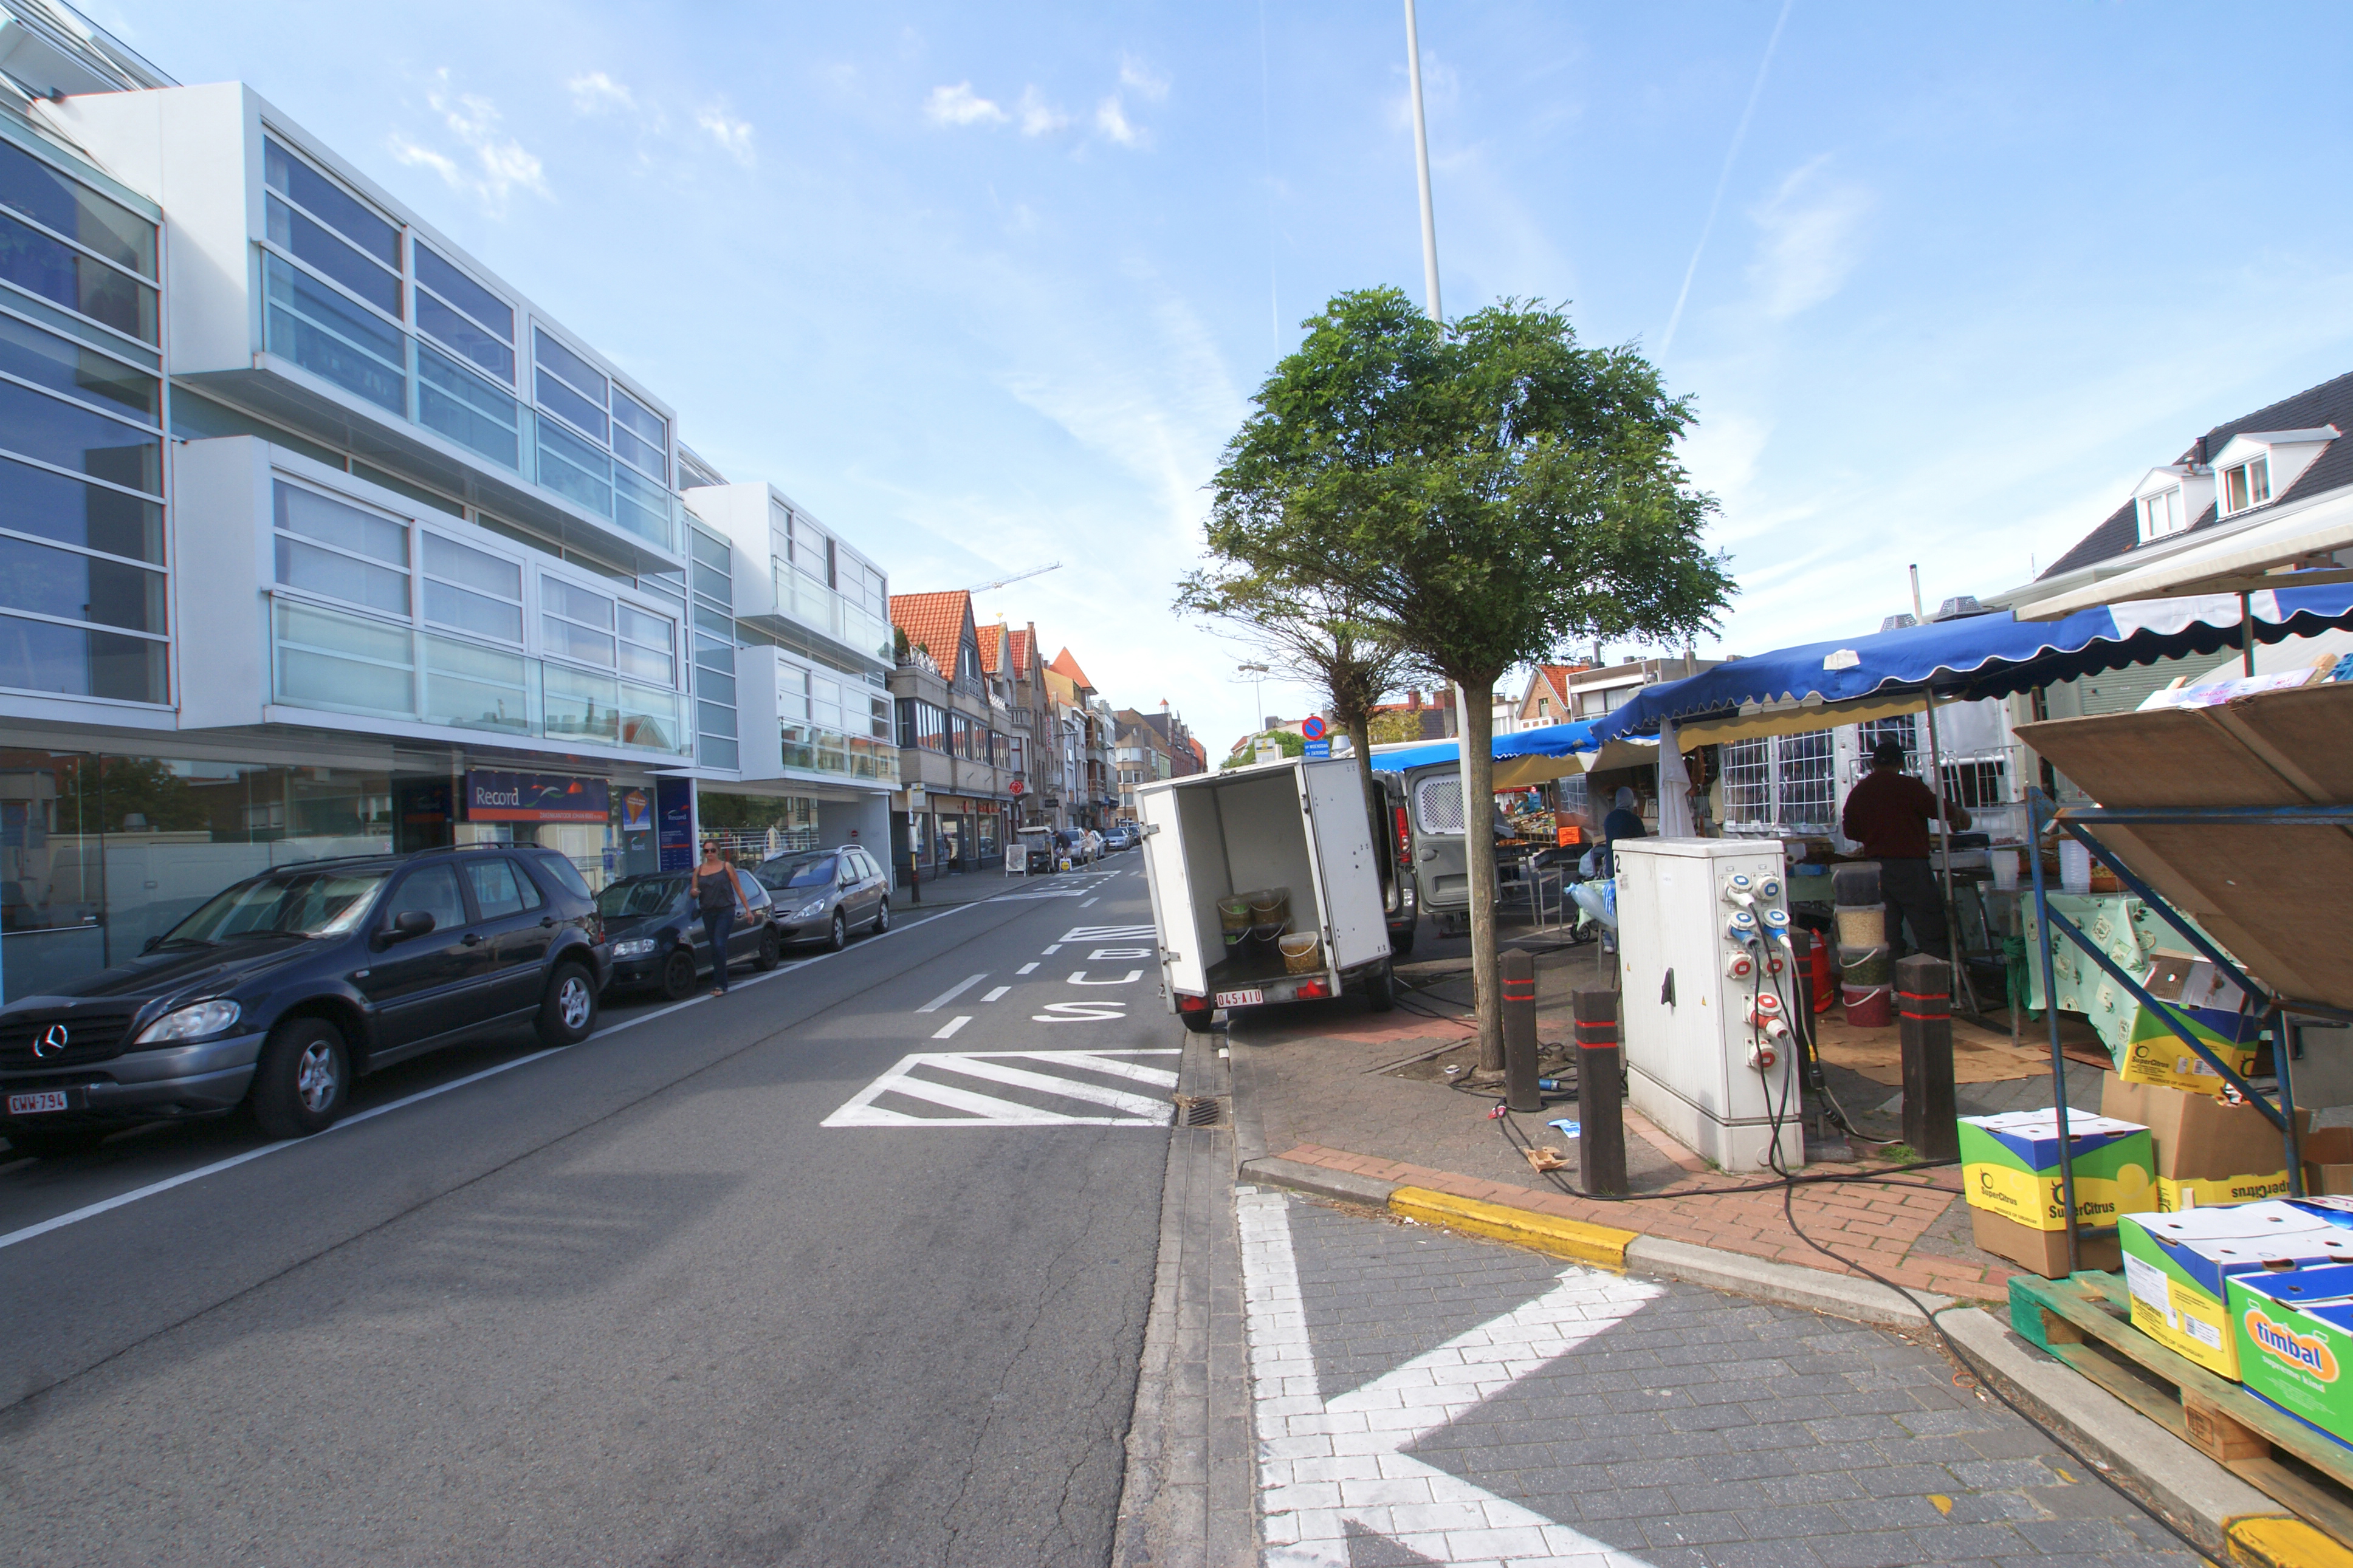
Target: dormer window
2247, 485
2161, 514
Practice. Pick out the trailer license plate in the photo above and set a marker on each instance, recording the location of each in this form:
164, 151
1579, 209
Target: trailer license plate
29, 1104
1241, 998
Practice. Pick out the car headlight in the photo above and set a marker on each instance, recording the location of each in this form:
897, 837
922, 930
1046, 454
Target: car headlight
189, 1023
636, 947
810, 911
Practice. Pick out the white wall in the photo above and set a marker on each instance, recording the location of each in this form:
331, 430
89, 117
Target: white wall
220, 566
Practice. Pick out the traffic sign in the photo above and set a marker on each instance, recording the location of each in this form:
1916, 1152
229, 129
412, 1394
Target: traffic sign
1314, 728
1319, 748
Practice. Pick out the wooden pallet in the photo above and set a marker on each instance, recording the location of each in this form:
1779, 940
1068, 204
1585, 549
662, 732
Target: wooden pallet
2085, 1320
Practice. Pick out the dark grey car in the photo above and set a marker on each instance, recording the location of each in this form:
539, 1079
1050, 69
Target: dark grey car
821, 894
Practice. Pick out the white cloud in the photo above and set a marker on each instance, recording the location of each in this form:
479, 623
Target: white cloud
1111, 118
733, 135
1135, 76
492, 167
1807, 242
959, 105
1039, 118
596, 93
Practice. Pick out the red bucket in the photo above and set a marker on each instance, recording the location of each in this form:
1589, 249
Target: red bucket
1870, 1007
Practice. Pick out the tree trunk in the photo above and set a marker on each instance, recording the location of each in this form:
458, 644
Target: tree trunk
1478, 711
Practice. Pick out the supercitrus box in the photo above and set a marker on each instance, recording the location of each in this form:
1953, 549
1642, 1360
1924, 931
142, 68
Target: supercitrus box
2009, 1165
2177, 1267
2295, 1329
2213, 1009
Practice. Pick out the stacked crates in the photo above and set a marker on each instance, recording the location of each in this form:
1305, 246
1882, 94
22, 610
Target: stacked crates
1866, 974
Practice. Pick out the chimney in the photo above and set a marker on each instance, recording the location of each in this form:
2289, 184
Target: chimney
1413, 700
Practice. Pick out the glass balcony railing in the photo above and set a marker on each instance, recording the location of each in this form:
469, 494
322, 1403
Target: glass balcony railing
316, 328
812, 603
341, 663
813, 748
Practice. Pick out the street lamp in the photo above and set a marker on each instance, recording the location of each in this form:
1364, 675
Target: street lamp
1257, 674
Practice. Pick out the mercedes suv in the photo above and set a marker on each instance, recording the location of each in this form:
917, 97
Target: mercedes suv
283, 989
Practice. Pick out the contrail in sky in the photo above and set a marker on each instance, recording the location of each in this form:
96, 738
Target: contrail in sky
1731, 153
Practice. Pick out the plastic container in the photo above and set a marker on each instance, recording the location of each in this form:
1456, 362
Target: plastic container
1855, 883
1865, 965
1861, 926
1234, 920
1269, 913
2005, 867
1870, 1007
2074, 867
1303, 952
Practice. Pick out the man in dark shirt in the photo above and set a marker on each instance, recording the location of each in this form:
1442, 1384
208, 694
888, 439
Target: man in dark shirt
1888, 813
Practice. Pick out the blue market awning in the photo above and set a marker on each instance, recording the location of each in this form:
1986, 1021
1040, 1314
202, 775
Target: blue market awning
1977, 657
1552, 740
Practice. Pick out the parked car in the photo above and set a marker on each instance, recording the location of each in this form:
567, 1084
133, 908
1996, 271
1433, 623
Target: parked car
1123, 836
657, 937
280, 991
820, 893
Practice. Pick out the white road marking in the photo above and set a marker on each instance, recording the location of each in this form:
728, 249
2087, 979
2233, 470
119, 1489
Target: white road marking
1102, 954
1025, 969
1327, 1459
1104, 933
951, 1026
916, 1078
1052, 948
996, 992
951, 994
1079, 978
105, 1206
1090, 901
1080, 1012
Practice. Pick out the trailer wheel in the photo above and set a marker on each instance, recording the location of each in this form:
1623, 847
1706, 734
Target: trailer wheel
1199, 1022
1380, 990
1401, 942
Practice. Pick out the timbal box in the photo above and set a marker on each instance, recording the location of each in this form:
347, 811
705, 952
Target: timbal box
2207, 1152
2295, 1331
2010, 1166
2177, 1267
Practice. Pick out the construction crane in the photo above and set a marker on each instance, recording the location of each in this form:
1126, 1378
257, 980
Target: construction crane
1018, 576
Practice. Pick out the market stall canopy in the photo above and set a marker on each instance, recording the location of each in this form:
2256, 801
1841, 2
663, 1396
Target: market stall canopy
2235, 563
1525, 757
1816, 686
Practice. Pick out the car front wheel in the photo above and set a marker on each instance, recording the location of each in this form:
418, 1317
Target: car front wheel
569, 1011
678, 973
838, 936
303, 1078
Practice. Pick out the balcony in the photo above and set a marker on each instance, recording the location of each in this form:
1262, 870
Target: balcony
812, 748
331, 661
812, 605
450, 424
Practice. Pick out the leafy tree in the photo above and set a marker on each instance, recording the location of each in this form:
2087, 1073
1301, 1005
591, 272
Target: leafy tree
1391, 729
1292, 746
1486, 491
1310, 634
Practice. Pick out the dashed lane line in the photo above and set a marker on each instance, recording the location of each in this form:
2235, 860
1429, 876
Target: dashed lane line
995, 991
948, 1029
951, 994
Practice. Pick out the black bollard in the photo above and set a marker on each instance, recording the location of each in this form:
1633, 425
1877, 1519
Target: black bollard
1519, 975
1601, 1132
1923, 1001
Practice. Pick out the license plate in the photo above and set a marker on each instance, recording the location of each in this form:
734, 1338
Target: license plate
1241, 998
31, 1104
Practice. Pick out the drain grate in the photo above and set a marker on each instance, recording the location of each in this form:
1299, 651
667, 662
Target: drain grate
1203, 1112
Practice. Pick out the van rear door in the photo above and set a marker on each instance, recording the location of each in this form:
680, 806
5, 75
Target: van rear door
1347, 871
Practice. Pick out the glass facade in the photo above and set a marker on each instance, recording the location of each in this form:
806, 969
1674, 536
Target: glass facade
711, 564
81, 441
350, 298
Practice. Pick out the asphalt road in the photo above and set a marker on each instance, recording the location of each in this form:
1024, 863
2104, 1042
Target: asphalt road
635, 1301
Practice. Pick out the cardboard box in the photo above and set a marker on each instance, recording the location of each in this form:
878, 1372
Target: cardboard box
2176, 1265
2009, 1165
2042, 1251
2207, 1152
2294, 1333
2194, 992
2328, 1160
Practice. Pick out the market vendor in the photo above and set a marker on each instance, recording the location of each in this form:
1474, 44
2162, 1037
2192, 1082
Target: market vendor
1888, 813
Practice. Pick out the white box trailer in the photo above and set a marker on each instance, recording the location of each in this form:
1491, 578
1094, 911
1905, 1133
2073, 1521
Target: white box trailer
1298, 823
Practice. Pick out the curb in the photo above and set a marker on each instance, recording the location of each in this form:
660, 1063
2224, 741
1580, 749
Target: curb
1316, 1180
1573, 1238
2229, 1519
1791, 1285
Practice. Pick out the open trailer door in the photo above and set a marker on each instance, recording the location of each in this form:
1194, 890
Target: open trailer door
1184, 963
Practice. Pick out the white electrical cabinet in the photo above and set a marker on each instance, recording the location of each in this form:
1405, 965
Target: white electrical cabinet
1700, 936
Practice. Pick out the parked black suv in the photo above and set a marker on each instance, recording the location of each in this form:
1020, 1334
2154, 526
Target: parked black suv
282, 989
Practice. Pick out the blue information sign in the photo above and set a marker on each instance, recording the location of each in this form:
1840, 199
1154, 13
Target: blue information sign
1319, 748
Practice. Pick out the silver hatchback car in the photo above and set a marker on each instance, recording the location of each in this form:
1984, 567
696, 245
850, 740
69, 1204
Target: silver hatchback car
820, 894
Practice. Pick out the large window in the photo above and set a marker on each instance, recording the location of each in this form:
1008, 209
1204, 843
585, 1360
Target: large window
575, 623
635, 494
339, 551
924, 725
463, 315
69, 244
472, 591
1784, 783
713, 564
316, 221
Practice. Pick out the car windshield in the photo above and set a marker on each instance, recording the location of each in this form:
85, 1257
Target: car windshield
295, 903
803, 871
650, 896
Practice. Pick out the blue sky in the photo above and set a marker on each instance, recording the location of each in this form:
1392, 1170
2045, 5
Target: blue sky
986, 286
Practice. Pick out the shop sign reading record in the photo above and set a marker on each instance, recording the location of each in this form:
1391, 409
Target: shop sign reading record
535, 798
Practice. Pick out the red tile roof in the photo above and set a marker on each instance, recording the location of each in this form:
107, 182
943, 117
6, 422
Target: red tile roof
1067, 667
934, 622
1021, 641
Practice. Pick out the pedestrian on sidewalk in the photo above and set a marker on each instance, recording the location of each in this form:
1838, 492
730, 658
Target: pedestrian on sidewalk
718, 894
1888, 813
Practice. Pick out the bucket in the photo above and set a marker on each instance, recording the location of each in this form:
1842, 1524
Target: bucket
2005, 867
1863, 965
1863, 925
1303, 952
1234, 912
1856, 883
2074, 867
1870, 1007
1269, 913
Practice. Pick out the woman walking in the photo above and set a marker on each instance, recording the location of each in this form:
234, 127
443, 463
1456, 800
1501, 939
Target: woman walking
718, 894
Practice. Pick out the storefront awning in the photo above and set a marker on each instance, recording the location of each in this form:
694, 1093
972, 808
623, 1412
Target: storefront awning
1554, 743
1816, 686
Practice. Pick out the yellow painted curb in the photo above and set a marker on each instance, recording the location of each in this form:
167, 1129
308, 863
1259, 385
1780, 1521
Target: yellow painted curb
1576, 1239
2274, 1541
